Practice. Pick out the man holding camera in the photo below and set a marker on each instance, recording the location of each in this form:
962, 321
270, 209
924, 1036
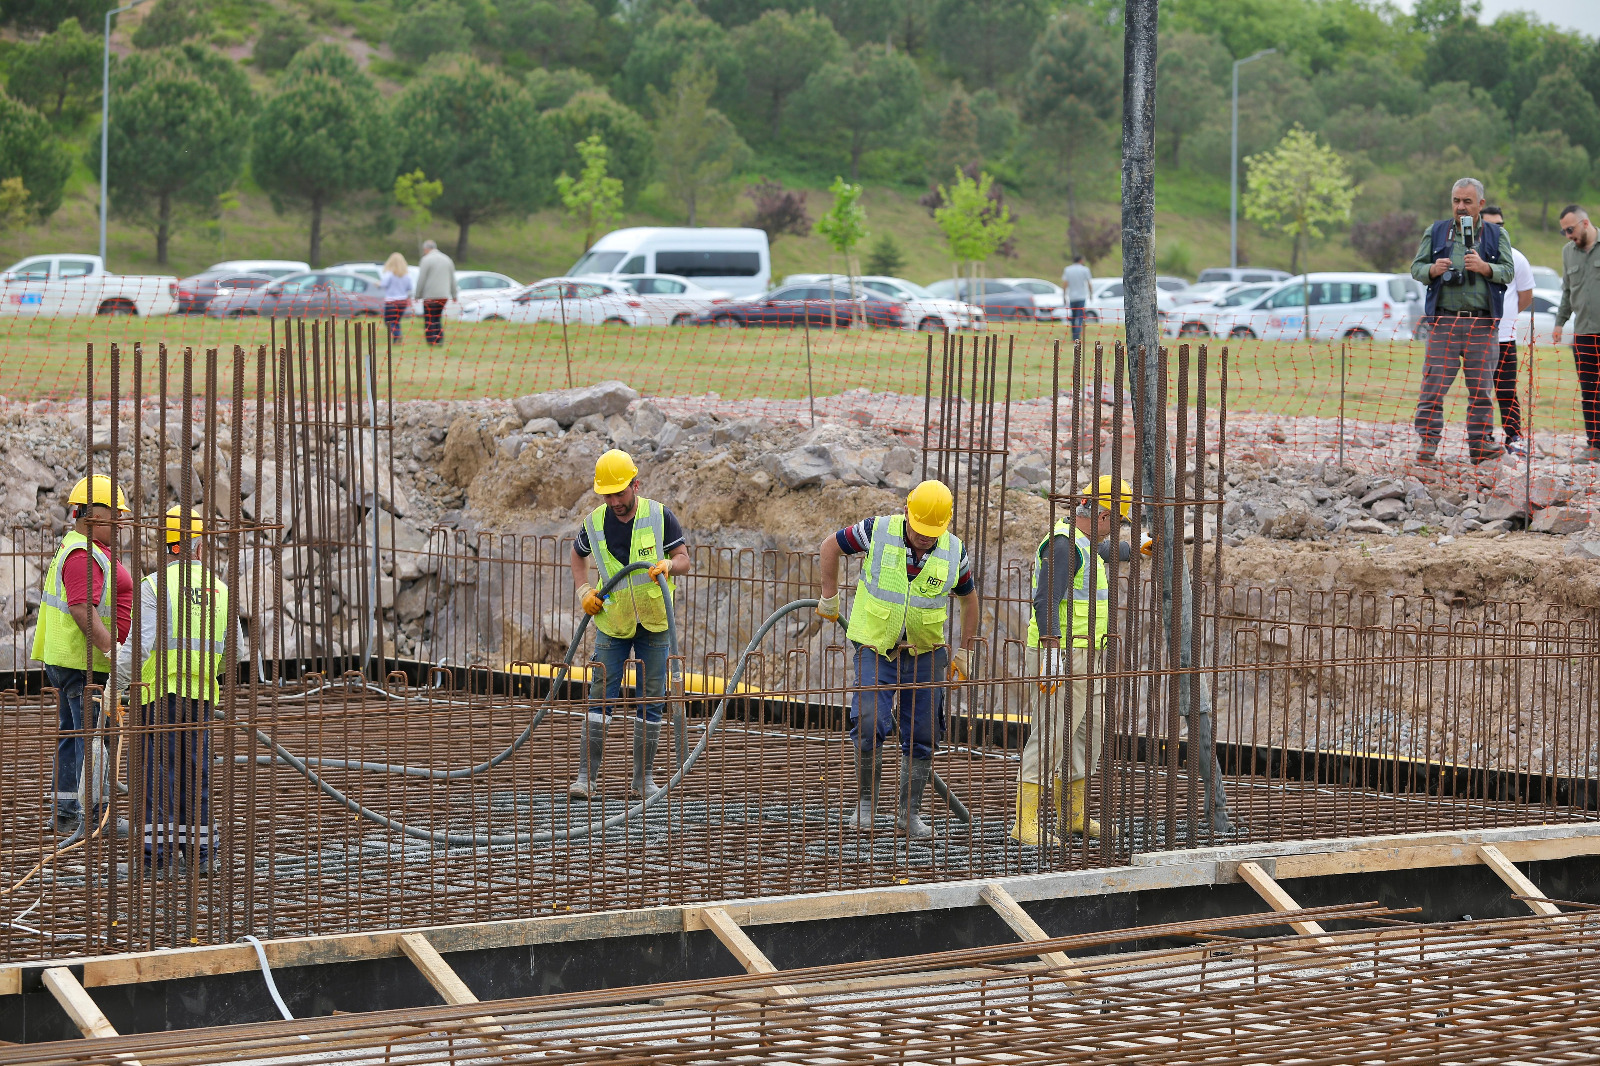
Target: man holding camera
1466, 266
1580, 301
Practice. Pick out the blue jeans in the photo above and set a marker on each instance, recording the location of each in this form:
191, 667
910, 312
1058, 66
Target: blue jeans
613, 653
177, 778
1077, 318
68, 684
881, 701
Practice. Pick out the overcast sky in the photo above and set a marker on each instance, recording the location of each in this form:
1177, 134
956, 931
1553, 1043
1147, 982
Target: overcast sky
1581, 15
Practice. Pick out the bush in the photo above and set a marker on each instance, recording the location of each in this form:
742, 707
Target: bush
430, 30
172, 22
280, 40
778, 210
1388, 242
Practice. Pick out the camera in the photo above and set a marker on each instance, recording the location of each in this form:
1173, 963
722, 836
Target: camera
1464, 228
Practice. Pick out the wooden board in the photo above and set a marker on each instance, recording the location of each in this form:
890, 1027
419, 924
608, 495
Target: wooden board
743, 948
84, 1012
1022, 923
1279, 900
1496, 860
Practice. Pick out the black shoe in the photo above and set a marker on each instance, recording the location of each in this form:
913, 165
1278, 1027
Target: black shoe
1483, 453
63, 823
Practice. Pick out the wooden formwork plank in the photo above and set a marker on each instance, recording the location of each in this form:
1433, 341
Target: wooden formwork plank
742, 947
444, 979
1279, 900
84, 1012
1496, 860
1022, 923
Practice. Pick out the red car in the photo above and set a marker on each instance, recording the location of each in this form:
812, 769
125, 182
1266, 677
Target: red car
799, 305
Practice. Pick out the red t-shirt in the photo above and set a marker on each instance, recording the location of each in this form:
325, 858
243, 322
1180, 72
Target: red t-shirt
83, 588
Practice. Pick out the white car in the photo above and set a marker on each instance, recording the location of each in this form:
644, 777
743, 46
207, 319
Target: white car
1200, 319
80, 285
670, 300
1545, 278
1537, 324
272, 268
1204, 292
1353, 306
575, 301
924, 311
1049, 299
1105, 301
474, 285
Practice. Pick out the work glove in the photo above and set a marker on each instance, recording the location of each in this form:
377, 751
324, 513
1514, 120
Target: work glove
1052, 668
960, 665
592, 603
661, 569
1147, 547
108, 705
828, 607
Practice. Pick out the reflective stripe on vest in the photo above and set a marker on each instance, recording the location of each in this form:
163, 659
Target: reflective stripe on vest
1086, 603
57, 640
196, 637
636, 601
888, 605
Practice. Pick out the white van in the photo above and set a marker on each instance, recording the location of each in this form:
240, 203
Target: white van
736, 261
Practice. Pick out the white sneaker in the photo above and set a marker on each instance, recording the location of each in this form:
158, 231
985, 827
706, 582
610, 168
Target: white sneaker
1517, 446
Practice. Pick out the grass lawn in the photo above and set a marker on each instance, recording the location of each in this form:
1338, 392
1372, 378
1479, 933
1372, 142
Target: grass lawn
43, 358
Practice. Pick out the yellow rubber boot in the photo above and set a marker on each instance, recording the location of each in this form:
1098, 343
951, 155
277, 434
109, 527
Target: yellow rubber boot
1025, 829
1078, 820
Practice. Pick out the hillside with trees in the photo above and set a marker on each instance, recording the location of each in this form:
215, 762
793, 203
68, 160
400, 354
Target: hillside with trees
281, 128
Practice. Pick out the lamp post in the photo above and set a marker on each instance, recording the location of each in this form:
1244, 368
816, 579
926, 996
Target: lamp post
1233, 161
105, 117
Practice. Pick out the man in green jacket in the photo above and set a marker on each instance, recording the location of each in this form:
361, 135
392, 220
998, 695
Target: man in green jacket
1580, 301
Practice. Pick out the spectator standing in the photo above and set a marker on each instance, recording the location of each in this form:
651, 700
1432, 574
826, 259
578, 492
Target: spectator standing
396, 293
1580, 301
1505, 373
1466, 279
436, 286
1075, 279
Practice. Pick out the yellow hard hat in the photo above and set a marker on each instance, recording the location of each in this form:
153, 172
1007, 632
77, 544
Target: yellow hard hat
178, 524
98, 489
614, 472
1113, 494
928, 508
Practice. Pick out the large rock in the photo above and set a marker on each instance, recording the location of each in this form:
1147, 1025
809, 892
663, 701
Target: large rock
1388, 509
408, 558
1543, 490
1560, 521
467, 446
805, 465
566, 406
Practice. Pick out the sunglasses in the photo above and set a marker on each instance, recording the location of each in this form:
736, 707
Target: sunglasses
1567, 231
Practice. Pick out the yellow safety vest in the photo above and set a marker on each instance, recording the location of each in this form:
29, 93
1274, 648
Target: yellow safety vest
636, 600
888, 605
196, 638
57, 641
1087, 602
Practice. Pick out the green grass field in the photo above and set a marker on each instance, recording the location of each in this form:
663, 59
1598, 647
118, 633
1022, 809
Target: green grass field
48, 358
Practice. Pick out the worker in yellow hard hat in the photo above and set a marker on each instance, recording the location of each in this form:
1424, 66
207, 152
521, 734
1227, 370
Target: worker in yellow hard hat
85, 610
632, 618
913, 565
1070, 583
181, 648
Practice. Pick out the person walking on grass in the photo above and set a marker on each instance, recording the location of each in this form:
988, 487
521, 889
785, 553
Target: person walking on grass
436, 286
396, 293
1580, 302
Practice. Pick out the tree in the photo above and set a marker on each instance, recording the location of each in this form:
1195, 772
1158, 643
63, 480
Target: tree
1298, 187
1389, 242
1093, 240
45, 14
630, 147
885, 256
986, 38
1562, 103
31, 153
867, 97
956, 143
1546, 166
281, 38
414, 192
323, 136
844, 224
553, 88
13, 204
172, 22
475, 130
780, 52
1190, 70
59, 76
428, 30
1070, 93
778, 210
683, 36
937, 198
697, 148
178, 137
973, 228
593, 199
555, 33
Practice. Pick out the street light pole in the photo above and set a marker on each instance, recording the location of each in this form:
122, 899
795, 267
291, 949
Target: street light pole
105, 117
1233, 161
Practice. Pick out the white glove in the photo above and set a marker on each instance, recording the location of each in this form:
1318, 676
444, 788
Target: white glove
960, 664
1052, 662
828, 607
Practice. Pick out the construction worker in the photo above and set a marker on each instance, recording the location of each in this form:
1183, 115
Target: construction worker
897, 625
183, 633
1072, 584
632, 618
83, 615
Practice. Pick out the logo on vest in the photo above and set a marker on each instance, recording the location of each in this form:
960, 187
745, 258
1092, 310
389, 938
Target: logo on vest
199, 597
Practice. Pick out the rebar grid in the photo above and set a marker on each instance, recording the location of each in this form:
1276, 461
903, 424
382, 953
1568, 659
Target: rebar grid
1511, 990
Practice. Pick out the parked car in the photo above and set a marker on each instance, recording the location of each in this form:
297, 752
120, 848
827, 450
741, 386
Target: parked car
1106, 301
799, 305
1545, 278
997, 298
80, 285
1049, 299
922, 309
734, 260
1356, 306
474, 285
1200, 319
575, 301
374, 271
1537, 324
1248, 274
672, 301
198, 290
272, 268
1204, 292
314, 293
1171, 283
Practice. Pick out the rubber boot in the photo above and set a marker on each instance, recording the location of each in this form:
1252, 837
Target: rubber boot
646, 738
869, 778
1078, 820
914, 777
588, 782
1025, 830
